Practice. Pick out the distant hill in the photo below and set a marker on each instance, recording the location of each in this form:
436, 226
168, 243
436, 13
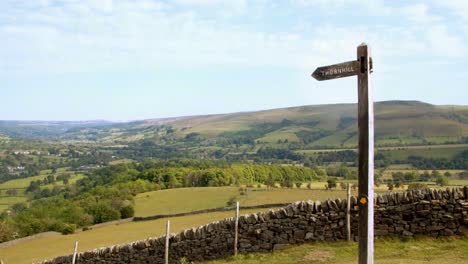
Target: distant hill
314, 126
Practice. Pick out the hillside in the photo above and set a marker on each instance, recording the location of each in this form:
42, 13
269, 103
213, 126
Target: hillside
317, 126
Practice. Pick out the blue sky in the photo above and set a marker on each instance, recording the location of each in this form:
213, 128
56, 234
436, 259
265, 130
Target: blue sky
127, 60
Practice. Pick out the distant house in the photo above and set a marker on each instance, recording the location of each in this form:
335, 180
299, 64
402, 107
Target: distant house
21, 152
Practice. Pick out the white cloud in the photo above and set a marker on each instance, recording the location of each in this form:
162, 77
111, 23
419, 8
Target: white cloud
459, 7
97, 35
444, 44
419, 13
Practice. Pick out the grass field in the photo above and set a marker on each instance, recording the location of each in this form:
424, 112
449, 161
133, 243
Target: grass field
288, 195
401, 153
427, 152
387, 174
57, 245
190, 199
21, 184
185, 200
180, 200
421, 250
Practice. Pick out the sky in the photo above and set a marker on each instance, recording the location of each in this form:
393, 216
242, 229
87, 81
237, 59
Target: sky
126, 60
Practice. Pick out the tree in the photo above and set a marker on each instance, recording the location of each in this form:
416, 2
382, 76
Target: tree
269, 182
50, 178
442, 180
331, 184
343, 185
12, 192
7, 231
390, 186
102, 212
127, 211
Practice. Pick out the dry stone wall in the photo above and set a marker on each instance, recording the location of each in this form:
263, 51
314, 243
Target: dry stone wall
429, 212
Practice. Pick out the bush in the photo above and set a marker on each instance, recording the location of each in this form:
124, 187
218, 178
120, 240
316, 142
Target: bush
331, 184
68, 229
442, 180
343, 186
390, 186
231, 202
127, 211
298, 185
7, 231
103, 212
309, 186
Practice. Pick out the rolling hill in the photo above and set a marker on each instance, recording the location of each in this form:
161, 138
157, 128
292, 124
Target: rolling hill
317, 126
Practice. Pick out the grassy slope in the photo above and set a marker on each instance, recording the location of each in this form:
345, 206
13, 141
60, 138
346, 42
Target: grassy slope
407, 120
56, 245
23, 183
182, 200
397, 123
422, 250
191, 199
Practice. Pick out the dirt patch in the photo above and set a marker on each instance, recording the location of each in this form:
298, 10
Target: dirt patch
318, 255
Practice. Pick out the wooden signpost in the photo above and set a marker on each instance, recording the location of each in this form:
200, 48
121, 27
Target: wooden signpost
362, 67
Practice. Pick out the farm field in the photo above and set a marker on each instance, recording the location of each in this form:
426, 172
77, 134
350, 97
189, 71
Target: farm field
56, 245
453, 181
289, 195
402, 152
387, 251
181, 200
190, 199
21, 184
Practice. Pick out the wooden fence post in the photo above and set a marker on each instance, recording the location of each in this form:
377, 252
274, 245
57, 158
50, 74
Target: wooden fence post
236, 229
166, 252
348, 212
74, 252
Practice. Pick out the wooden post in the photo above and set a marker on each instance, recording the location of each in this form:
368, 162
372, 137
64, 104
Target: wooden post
362, 67
366, 157
348, 212
166, 251
74, 252
236, 229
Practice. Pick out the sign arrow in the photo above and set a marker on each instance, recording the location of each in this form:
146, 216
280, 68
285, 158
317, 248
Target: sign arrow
335, 71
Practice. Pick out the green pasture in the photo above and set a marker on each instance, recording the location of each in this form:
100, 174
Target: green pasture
56, 245
283, 195
21, 184
181, 200
191, 199
387, 174
387, 251
73, 178
403, 153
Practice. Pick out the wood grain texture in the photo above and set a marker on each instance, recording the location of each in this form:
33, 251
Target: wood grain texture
335, 71
366, 158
